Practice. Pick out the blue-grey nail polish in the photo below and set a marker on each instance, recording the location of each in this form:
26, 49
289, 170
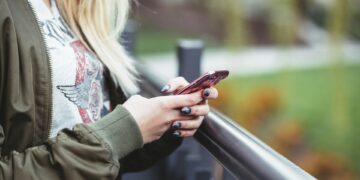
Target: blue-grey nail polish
177, 133
186, 110
176, 125
165, 88
207, 92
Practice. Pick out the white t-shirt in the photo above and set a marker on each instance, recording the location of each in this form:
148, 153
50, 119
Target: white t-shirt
79, 91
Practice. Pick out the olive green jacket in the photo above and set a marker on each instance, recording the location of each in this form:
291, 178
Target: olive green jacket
97, 151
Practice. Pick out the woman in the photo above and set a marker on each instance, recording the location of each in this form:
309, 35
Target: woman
64, 83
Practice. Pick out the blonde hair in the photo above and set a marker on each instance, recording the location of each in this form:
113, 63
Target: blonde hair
98, 24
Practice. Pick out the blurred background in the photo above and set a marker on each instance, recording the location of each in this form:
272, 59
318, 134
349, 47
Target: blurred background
295, 70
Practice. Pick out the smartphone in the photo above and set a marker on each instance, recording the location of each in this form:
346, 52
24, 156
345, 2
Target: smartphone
207, 80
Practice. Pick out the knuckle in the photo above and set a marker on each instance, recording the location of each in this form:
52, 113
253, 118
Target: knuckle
216, 92
157, 137
195, 110
184, 125
191, 100
134, 97
191, 133
181, 79
168, 122
179, 115
162, 103
185, 133
138, 97
200, 122
195, 125
207, 109
175, 80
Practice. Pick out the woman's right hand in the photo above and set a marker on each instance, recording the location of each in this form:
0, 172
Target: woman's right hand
154, 116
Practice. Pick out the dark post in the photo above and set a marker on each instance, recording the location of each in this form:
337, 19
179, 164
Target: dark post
128, 37
197, 160
189, 57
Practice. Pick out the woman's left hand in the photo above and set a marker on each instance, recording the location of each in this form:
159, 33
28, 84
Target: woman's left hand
186, 128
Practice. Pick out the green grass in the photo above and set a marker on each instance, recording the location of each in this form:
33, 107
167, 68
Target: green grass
153, 40
310, 96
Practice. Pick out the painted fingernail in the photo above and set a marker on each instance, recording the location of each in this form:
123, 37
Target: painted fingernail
207, 92
177, 133
165, 88
176, 125
185, 110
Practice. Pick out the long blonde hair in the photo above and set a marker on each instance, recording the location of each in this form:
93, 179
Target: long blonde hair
98, 24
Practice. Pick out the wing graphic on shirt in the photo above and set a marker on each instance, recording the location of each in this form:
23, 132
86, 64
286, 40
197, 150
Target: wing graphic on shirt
75, 94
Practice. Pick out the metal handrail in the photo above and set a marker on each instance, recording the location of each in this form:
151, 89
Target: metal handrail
241, 153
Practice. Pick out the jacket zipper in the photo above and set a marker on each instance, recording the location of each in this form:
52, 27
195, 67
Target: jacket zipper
49, 124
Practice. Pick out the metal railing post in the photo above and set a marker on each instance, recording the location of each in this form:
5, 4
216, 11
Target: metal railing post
197, 160
189, 58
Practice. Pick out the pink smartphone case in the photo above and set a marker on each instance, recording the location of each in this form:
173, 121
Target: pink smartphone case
207, 80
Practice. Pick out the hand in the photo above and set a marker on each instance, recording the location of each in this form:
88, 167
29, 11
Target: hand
186, 128
154, 116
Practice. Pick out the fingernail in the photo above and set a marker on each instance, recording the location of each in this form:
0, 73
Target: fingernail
176, 125
165, 88
177, 133
185, 110
207, 92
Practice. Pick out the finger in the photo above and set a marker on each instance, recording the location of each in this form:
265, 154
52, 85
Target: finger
174, 84
176, 115
185, 133
210, 93
197, 110
179, 101
204, 102
189, 124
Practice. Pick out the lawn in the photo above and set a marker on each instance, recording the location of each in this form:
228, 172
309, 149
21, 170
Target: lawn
154, 40
325, 101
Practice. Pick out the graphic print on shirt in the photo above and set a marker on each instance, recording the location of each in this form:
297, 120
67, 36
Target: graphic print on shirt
87, 92
58, 33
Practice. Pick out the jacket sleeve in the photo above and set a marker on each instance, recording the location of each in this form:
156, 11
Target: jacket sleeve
150, 153
86, 152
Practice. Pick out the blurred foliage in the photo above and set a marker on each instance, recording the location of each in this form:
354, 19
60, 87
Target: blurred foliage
230, 13
281, 19
285, 21
165, 40
337, 27
348, 10
310, 116
297, 123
